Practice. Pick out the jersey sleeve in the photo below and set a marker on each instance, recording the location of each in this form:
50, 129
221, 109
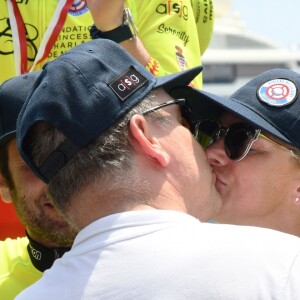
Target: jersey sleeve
175, 33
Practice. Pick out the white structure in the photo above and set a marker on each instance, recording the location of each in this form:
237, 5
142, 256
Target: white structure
236, 55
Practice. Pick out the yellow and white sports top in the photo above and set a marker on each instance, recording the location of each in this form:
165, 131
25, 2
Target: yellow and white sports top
175, 32
16, 269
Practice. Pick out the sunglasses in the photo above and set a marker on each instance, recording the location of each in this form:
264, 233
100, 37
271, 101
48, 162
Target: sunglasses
180, 102
238, 137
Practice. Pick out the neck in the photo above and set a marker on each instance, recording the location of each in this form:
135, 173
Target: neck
43, 257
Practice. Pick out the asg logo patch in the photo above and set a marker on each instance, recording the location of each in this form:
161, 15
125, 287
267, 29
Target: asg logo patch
277, 92
127, 83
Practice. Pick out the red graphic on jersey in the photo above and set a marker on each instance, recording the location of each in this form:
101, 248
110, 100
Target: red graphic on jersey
153, 66
78, 5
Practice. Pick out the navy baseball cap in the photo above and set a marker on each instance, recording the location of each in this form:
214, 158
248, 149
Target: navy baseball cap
270, 102
13, 93
83, 93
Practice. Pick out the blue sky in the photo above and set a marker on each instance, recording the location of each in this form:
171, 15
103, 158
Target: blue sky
278, 20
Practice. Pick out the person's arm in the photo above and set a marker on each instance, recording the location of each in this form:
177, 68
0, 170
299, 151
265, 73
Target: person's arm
108, 15
169, 33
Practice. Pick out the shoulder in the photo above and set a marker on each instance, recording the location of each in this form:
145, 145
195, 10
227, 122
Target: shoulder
260, 238
11, 248
259, 247
14, 256
16, 269
262, 262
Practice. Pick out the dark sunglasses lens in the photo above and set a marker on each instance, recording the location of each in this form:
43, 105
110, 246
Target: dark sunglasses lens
237, 140
206, 132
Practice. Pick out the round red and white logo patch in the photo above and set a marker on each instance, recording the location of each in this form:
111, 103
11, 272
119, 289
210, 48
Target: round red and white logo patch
78, 8
277, 92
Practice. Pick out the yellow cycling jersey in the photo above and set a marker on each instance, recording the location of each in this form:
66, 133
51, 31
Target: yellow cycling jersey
36, 16
16, 269
175, 33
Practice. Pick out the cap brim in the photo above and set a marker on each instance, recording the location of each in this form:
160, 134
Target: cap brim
7, 137
182, 78
205, 104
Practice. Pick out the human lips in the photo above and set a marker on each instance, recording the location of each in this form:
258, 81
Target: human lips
47, 205
45, 201
214, 177
220, 182
51, 212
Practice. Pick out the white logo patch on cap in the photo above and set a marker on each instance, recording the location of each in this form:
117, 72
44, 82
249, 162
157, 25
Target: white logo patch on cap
277, 92
127, 83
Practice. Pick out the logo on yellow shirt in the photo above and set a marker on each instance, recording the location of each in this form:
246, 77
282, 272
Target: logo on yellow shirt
79, 7
181, 60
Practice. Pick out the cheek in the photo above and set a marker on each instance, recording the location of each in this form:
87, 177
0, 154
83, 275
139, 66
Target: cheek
36, 187
244, 184
257, 190
30, 186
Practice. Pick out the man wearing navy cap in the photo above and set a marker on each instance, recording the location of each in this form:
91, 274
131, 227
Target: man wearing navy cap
103, 133
48, 235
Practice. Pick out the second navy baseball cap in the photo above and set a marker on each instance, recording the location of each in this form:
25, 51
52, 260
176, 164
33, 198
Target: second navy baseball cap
269, 102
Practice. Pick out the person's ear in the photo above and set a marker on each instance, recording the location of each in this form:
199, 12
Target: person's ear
4, 190
143, 141
296, 196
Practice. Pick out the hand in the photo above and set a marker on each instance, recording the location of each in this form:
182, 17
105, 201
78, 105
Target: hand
107, 14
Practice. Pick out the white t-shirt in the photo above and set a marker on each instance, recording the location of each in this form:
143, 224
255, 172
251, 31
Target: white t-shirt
171, 255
